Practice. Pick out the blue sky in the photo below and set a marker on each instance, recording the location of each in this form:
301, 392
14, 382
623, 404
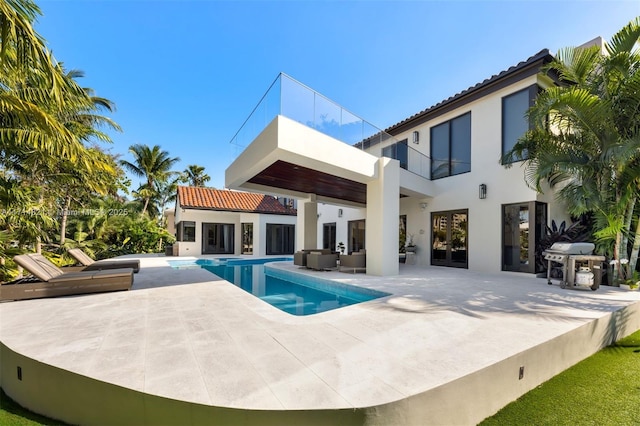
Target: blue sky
186, 74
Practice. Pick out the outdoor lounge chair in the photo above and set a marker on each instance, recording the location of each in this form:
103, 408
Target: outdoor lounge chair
93, 265
354, 262
320, 261
52, 281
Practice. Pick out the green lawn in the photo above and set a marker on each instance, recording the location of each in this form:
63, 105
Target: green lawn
604, 389
601, 390
11, 414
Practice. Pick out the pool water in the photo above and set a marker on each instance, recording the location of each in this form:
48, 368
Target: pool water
295, 294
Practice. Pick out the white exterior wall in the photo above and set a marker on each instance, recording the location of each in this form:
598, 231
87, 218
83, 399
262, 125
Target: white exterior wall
460, 192
259, 221
330, 213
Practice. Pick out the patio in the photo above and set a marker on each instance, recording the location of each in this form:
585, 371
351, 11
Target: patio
185, 347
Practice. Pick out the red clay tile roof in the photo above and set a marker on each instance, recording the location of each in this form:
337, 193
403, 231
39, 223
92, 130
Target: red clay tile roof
225, 200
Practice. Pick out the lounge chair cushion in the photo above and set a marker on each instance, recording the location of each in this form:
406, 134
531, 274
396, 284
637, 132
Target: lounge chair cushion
39, 266
93, 265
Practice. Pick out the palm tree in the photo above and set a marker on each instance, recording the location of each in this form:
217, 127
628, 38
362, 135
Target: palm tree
586, 138
152, 164
194, 175
30, 81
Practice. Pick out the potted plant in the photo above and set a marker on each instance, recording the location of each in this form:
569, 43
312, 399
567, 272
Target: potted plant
410, 246
341, 247
631, 283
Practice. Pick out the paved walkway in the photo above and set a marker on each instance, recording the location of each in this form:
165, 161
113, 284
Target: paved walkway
188, 335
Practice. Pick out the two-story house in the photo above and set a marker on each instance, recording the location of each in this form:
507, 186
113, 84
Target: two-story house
436, 176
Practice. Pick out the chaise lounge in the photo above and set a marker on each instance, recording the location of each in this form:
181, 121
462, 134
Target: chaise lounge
51, 281
99, 265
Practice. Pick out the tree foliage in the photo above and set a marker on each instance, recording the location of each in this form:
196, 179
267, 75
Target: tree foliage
585, 140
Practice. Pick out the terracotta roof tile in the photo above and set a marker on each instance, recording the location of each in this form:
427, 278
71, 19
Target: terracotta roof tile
227, 200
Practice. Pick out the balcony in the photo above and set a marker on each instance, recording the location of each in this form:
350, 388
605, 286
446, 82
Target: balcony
290, 98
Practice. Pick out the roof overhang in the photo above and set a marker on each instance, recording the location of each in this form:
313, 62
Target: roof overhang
290, 159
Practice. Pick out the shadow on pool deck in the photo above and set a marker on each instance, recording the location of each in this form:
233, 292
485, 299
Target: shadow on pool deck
445, 347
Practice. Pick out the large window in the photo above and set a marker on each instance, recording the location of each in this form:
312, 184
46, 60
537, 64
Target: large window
329, 236
451, 147
398, 151
280, 238
514, 121
186, 231
217, 238
449, 245
356, 235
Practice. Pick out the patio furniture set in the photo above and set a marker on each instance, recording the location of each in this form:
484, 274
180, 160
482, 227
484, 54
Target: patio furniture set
325, 259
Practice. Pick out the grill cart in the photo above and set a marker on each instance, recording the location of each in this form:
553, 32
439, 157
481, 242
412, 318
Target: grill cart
580, 267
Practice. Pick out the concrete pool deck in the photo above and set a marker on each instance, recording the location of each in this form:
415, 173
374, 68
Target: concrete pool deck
185, 347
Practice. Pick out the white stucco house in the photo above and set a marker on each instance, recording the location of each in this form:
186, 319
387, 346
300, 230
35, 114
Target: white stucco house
436, 175
220, 221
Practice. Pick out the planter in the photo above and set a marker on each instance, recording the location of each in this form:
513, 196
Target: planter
410, 249
628, 288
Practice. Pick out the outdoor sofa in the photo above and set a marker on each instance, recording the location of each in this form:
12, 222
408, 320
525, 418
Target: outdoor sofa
320, 261
354, 262
50, 281
300, 258
93, 265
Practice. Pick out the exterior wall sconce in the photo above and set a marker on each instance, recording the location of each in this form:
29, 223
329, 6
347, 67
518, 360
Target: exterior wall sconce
339, 212
416, 137
423, 206
483, 191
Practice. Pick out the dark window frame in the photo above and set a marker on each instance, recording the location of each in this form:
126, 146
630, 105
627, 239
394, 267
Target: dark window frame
288, 241
220, 226
329, 227
448, 161
533, 92
448, 261
180, 231
359, 245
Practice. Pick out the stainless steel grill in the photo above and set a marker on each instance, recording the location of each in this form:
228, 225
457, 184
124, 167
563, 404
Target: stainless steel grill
577, 260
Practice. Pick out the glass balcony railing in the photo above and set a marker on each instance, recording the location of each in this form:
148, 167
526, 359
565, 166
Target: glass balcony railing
298, 102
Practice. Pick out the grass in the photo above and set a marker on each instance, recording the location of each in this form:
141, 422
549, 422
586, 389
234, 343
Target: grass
604, 389
12, 414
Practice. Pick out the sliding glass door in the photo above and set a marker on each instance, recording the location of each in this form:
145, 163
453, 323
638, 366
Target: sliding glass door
523, 225
449, 245
217, 238
356, 235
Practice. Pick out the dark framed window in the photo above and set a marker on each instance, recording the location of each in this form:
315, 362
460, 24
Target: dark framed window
398, 151
514, 120
217, 238
329, 236
449, 238
186, 231
280, 238
451, 147
523, 225
356, 235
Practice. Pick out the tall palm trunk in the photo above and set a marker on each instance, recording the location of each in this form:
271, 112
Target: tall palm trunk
63, 221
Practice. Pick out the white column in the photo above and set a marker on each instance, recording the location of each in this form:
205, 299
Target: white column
307, 224
383, 211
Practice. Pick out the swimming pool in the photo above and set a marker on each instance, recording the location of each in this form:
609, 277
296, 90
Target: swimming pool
296, 294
